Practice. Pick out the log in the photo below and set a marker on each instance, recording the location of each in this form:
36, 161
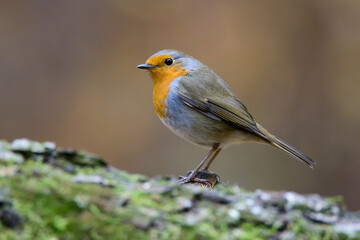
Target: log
52, 193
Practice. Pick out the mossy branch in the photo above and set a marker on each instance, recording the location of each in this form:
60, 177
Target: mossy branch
49, 193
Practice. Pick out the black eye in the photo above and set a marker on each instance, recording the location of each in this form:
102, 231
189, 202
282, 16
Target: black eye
168, 61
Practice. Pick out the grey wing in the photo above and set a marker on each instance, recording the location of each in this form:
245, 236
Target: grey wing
233, 112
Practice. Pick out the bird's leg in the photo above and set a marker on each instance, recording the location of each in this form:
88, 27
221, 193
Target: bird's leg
211, 159
208, 156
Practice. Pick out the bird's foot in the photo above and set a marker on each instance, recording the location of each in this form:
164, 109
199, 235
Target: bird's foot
203, 178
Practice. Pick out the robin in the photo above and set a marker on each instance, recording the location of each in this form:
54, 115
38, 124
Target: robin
196, 104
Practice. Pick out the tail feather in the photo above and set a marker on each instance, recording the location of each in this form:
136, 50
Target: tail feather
287, 148
292, 151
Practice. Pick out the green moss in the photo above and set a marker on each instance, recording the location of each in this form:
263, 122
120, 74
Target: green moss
110, 204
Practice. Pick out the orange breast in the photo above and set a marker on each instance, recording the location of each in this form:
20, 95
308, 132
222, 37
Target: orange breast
161, 89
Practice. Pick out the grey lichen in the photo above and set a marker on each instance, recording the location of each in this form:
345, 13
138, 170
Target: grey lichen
65, 194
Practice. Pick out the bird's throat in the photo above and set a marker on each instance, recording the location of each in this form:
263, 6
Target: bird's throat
161, 89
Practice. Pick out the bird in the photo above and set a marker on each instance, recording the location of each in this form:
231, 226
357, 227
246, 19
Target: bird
196, 104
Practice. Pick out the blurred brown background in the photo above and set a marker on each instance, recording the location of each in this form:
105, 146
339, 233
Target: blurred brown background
68, 74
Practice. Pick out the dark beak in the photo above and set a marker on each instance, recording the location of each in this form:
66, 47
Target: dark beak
145, 66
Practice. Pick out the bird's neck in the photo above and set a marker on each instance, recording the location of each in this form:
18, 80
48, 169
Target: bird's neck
162, 87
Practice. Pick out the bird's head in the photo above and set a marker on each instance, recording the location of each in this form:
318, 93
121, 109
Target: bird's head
169, 64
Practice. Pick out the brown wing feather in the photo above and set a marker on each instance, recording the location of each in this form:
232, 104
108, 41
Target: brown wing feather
207, 106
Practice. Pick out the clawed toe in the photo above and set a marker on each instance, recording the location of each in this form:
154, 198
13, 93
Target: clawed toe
184, 180
203, 178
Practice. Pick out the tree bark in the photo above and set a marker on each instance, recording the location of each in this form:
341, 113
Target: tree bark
50, 193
